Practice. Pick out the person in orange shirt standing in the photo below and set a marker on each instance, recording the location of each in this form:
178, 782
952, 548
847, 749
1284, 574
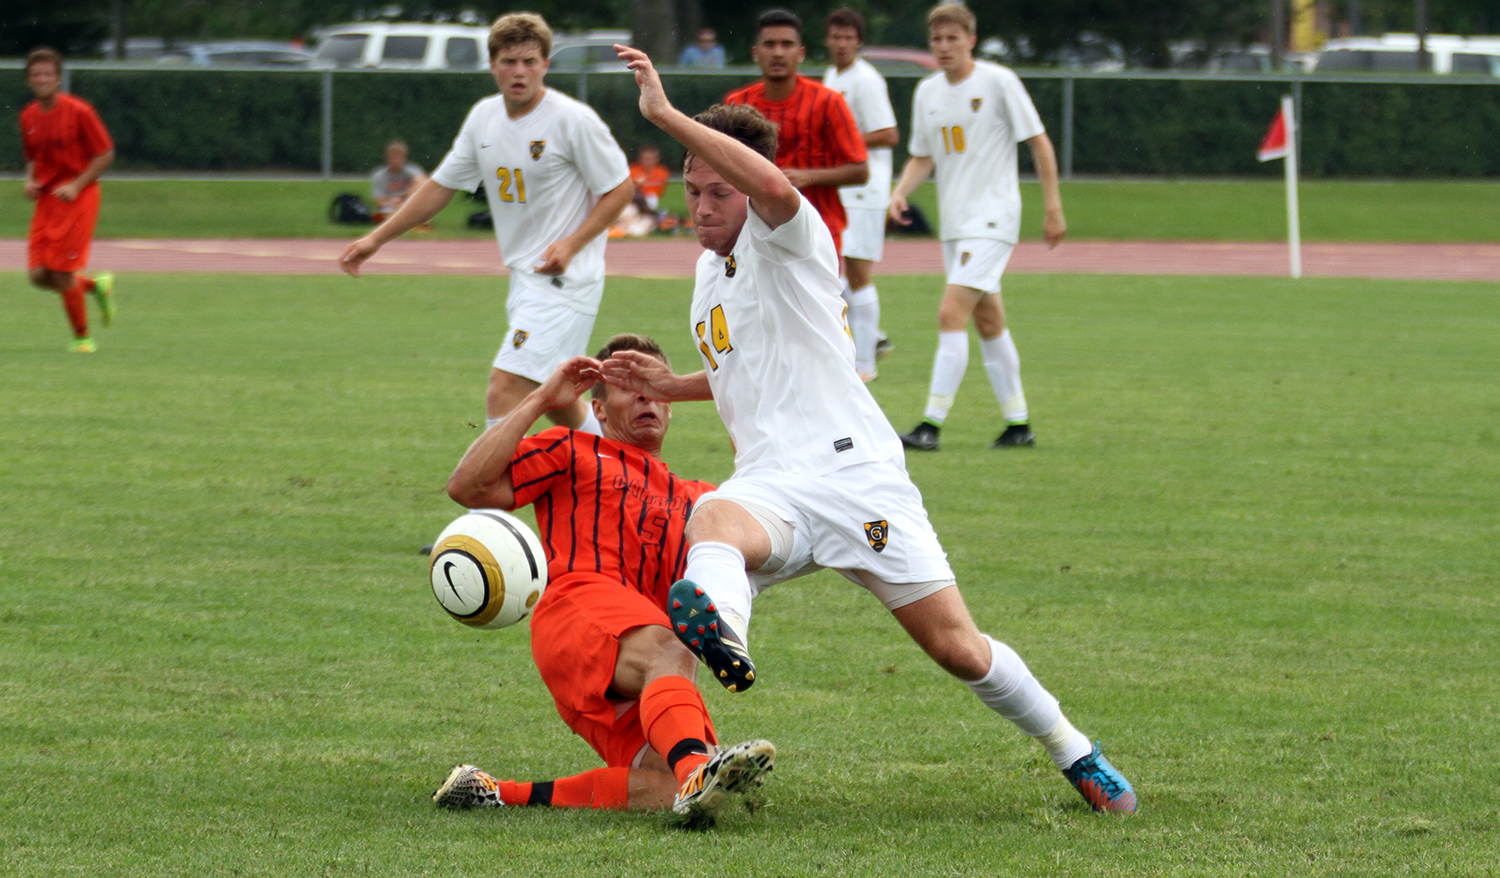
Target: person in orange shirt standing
66, 149
819, 145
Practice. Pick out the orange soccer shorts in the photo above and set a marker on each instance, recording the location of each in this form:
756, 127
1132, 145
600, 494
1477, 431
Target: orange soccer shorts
61, 231
575, 641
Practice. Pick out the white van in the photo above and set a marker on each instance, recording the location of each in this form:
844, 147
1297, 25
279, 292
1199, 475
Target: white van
1397, 53
400, 45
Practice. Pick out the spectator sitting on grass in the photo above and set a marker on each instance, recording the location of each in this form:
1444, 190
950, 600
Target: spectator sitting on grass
393, 181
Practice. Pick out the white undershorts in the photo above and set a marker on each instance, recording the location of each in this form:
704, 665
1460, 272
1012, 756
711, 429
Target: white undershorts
976, 263
866, 521
542, 331
865, 236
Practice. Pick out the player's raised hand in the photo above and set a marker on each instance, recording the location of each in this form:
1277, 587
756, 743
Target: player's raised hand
639, 373
654, 103
568, 382
355, 254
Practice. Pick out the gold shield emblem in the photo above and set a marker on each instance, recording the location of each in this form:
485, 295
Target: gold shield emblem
519, 338
973, 103
963, 258
876, 532
729, 266
536, 148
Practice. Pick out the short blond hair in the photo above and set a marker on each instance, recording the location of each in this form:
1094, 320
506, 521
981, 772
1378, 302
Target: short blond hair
44, 55
952, 13
518, 28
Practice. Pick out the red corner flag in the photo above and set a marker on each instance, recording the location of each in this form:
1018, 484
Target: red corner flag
1274, 144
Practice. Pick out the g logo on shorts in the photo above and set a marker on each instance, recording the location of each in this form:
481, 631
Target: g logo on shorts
519, 338
876, 532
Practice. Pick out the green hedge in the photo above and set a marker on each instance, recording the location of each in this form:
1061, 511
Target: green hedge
203, 120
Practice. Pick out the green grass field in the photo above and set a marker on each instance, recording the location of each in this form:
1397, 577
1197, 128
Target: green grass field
1177, 211
1254, 552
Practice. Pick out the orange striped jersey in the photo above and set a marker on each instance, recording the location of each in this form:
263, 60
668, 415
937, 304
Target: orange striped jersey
61, 142
606, 507
815, 129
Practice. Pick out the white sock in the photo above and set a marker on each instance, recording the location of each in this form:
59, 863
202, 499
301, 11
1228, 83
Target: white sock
1003, 365
864, 324
1065, 744
590, 423
948, 366
1010, 690
719, 569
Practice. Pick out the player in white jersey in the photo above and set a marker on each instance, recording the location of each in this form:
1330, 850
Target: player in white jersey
865, 92
819, 478
555, 180
966, 123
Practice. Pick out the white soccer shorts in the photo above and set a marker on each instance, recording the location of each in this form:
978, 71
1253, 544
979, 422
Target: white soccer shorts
865, 236
542, 332
866, 521
976, 263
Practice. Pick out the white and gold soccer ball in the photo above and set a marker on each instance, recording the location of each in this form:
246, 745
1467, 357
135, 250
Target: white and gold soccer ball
488, 569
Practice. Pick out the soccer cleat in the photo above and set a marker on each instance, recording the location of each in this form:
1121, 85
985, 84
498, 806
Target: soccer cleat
83, 345
104, 292
867, 377
468, 787
739, 769
697, 623
924, 437
1101, 784
883, 347
1016, 436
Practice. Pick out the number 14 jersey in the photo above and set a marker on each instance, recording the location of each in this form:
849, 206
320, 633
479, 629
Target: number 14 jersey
768, 321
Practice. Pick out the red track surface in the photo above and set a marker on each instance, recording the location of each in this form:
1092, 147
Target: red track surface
675, 258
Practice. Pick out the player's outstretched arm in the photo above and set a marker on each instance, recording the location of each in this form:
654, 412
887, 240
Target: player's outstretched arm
1044, 157
646, 375
482, 478
606, 210
423, 205
918, 169
772, 197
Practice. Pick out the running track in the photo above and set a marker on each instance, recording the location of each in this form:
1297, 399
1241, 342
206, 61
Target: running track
675, 258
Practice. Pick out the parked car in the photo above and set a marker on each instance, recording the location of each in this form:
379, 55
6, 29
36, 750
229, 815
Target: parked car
404, 45
242, 53
899, 59
1398, 53
583, 50
1089, 52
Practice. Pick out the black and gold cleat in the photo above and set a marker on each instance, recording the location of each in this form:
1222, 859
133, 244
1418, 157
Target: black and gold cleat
697, 623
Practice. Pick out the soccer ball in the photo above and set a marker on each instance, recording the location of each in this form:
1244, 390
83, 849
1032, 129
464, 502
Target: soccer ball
488, 569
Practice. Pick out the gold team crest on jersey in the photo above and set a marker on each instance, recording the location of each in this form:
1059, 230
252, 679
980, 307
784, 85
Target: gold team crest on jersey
963, 258
876, 532
975, 102
729, 265
519, 338
536, 149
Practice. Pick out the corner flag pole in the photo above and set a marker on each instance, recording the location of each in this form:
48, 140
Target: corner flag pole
1293, 221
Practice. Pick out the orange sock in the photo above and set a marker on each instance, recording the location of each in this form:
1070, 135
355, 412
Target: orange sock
78, 315
676, 723
600, 788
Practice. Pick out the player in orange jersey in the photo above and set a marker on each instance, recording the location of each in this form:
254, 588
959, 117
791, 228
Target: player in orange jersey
819, 145
650, 176
66, 149
611, 516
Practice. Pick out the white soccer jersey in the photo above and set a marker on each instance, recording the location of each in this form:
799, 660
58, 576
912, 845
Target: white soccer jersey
869, 99
543, 173
970, 130
769, 324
